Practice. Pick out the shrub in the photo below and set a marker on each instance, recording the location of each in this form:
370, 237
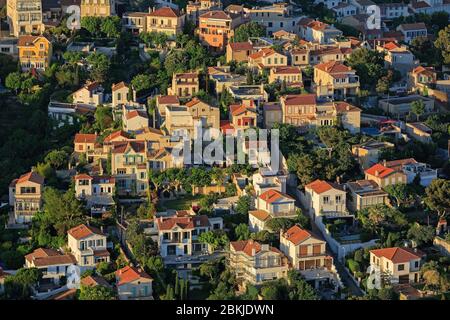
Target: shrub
353, 265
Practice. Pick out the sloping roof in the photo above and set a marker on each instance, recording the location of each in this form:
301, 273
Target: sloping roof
32, 177
413, 26
318, 25
122, 146
182, 222
241, 46
165, 12
28, 40
273, 195
299, 99
264, 52
379, 170
193, 102
320, 186
170, 99
83, 231
92, 281
116, 134
342, 107
397, 164
48, 257
297, 235
129, 274
85, 138
286, 70
83, 176
260, 214
397, 255
333, 67
239, 109
136, 113
215, 14
117, 86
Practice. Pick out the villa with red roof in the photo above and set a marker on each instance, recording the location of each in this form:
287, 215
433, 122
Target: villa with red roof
267, 58
25, 196
290, 75
244, 115
324, 198
184, 84
254, 263
239, 51
133, 284
334, 80
307, 254
178, 236
165, 20
385, 176
98, 191
91, 93
88, 245
401, 264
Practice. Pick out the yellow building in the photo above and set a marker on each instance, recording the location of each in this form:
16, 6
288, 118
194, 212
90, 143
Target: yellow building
98, 8
335, 80
24, 17
385, 176
290, 75
165, 20
184, 84
35, 52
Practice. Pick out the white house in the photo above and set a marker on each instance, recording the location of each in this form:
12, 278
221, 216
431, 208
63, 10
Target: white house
133, 284
323, 198
411, 168
411, 31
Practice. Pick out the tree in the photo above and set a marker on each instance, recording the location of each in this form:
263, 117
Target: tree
242, 231
248, 30
443, 44
421, 234
243, 205
400, 192
142, 82
299, 289
213, 239
100, 65
92, 25
277, 224
418, 108
369, 66
13, 81
103, 118
111, 26
438, 196
20, 286
96, 293
56, 158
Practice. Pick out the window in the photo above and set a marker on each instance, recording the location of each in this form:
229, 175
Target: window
401, 267
338, 199
326, 199
416, 264
99, 243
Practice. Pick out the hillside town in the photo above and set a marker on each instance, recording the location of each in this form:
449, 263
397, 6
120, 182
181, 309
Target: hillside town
224, 150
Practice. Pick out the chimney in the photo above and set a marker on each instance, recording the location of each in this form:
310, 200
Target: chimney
377, 173
384, 162
253, 251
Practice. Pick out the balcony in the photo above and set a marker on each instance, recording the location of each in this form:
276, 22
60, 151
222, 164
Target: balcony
311, 255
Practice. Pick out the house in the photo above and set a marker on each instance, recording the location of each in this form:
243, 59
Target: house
165, 20
391, 11
272, 114
300, 57
91, 93
52, 263
275, 17
398, 57
384, 176
96, 190
334, 80
134, 284
222, 81
298, 109
320, 32
359, 22
266, 58
134, 120
256, 93
239, 51
429, 6
412, 169
162, 102
24, 17
184, 84
401, 265
422, 77
216, 28
419, 131
95, 8
194, 9
9, 46
276, 203
323, 198
344, 9
85, 143
254, 263
243, 116
120, 94
289, 75
349, 116
25, 196
129, 166
411, 31
307, 254
362, 5
178, 235
135, 22
368, 153
94, 281
400, 107
363, 194
88, 245
322, 54
35, 52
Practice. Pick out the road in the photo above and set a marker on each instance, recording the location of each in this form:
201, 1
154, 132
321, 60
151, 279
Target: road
345, 276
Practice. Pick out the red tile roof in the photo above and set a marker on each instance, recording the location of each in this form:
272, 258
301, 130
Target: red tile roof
170, 99
273, 195
32, 177
85, 138
92, 281
83, 176
48, 257
129, 274
165, 12
320, 186
83, 231
259, 214
287, 70
378, 170
342, 106
241, 46
398, 164
333, 67
297, 235
397, 255
136, 113
182, 222
122, 146
117, 86
215, 14
226, 126
115, 135
299, 99
265, 52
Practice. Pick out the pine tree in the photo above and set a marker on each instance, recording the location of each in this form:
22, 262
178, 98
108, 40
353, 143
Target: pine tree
177, 284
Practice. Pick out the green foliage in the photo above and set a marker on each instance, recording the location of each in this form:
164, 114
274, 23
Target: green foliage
438, 196
141, 82
20, 286
381, 217
242, 232
421, 234
353, 265
277, 224
111, 26
369, 66
214, 239
442, 43
248, 30
100, 65
243, 205
96, 293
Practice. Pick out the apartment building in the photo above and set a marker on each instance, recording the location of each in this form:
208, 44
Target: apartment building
216, 28
178, 235
129, 166
368, 153
184, 84
25, 196
384, 176
254, 263
323, 198
275, 17
291, 76
24, 17
298, 110
97, 8
35, 52
133, 284
266, 58
334, 80
165, 20
88, 245
363, 194
96, 190
401, 265
412, 169
411, 31
53, 264
91, 93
